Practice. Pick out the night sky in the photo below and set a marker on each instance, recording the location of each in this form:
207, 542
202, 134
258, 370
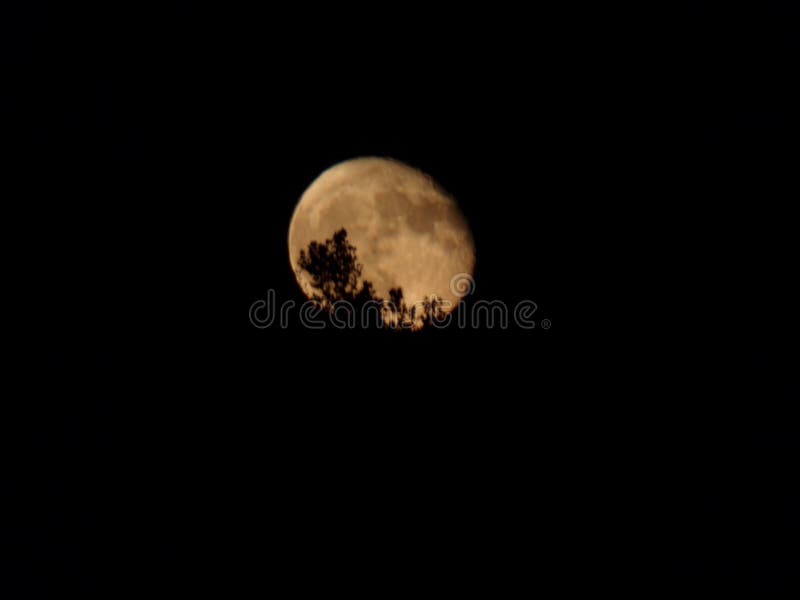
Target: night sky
636, 182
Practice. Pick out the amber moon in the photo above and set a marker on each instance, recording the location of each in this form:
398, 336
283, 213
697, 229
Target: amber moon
407, 231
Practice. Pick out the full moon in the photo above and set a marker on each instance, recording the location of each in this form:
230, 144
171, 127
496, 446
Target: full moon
407, 231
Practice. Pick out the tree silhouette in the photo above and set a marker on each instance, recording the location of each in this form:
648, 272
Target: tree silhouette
425, 313
335, 275
335, 271
432, 311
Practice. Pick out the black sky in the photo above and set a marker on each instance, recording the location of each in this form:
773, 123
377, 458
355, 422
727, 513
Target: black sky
635, 181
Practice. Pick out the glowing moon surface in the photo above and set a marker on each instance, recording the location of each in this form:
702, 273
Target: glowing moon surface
407, 231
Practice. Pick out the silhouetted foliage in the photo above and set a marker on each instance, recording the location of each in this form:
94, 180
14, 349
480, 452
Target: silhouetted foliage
432, 310
396, 309
429, 311
336, 275
335, 271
